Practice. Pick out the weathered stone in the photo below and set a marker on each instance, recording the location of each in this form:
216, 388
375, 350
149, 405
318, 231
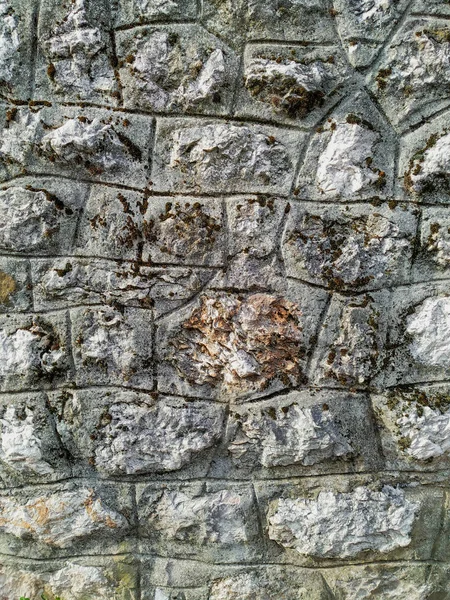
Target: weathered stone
76, 62
415, 426
128, 12
351, 343
286, 435
78, 579
15, 285
184, 231
300, 20
33, 351
57, 519
275, 582
226, 343
353, 248
112, 345
29, 448
290, 83
97, 144
348, 158
175, 68
364, 25
223, 156
40, 217
209, 521
17, 24
122, 432
412, 78
418, 342
63, 282
382, 581
344, 525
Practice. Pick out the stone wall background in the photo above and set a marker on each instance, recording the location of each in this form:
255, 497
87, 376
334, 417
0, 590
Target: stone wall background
225, 310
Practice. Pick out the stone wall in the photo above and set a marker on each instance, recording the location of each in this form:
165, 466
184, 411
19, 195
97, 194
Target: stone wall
225, 300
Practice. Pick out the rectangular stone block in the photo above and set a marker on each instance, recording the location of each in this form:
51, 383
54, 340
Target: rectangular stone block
109, 578
34, 351
114, 433
418, 335
414, 427
40, 215
15, 285
298, 434
112, 346
67, 519
351, 348
232, 347
176, 69
349, 519
17, 30
30, 450
350, 247
91, 143
76, 61
219, 156
213, 522
291, 84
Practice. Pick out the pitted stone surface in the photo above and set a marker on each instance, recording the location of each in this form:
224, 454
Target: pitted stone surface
224, 299
344, 524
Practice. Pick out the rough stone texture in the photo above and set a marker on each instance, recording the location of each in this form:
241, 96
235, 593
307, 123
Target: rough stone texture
224, 299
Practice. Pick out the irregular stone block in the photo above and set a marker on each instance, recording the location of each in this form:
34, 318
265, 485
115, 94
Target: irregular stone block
128, 12
228, 346
223, 157
30, 451
15, 285
121, 432
301, 432
77, 579
112, 345
175, 68
95, 144
290, 83
424, 164
208, 521
62, 519
293, 20
17, 25
414, 426
184, 231
41, 215
64, 282
76, 58
364, 25
418, 335
357, 247
350, 157
412, 77
33, 351
344, 525
350, 350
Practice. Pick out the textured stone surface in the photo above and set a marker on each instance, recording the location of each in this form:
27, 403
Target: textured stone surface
224, 299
